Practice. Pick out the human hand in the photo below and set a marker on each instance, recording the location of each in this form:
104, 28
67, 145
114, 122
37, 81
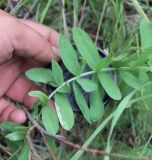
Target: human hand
23, 45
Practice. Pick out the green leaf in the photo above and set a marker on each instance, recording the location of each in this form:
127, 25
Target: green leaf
87, 84
110, 86
42, 96
81, 102
40, 75
129, 79
86, 47
24, 155
146, 34
16, 136
143, 57
10, 126
96, 102
65, 89
69, 56
64, 111
50, 119
104, 62
57, 73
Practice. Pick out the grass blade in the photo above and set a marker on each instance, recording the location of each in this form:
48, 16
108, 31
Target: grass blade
45, 10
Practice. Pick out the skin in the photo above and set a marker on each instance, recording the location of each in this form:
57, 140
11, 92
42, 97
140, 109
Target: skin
23, 45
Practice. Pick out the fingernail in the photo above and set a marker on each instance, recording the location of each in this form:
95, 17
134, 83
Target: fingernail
56, 52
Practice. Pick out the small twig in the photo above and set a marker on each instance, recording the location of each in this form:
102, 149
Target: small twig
48, 147
100, 21
77, 146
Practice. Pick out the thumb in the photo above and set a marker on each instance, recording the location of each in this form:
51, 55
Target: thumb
25, 41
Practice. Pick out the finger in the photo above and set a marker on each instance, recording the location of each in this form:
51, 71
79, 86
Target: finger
31, 64
8, 112
47, 32
9, 72
19, 92
29, 43
26, 41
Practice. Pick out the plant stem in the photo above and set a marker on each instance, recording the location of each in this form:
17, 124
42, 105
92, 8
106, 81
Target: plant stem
93, 72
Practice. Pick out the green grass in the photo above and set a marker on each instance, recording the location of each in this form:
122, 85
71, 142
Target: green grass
119, 35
